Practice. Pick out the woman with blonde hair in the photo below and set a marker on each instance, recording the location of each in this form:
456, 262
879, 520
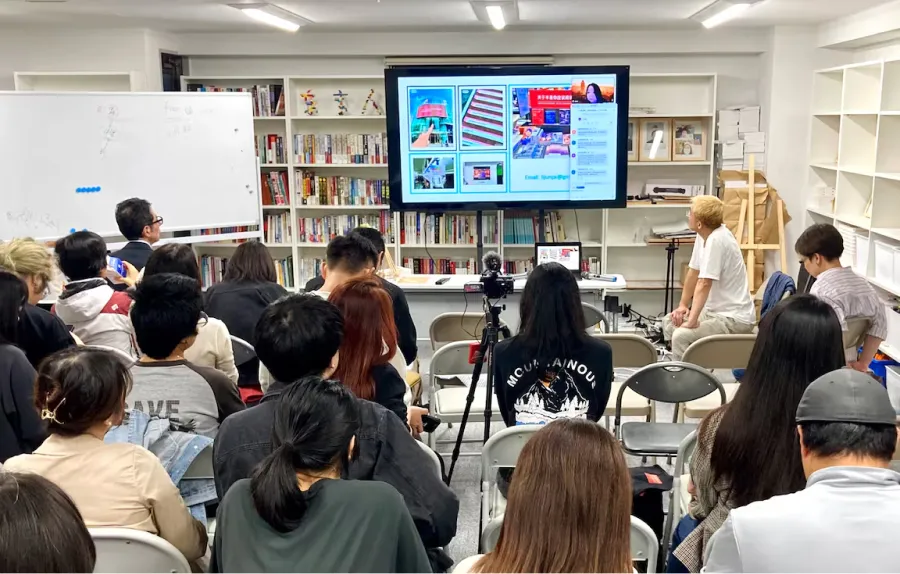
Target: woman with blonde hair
39, 333
569, 505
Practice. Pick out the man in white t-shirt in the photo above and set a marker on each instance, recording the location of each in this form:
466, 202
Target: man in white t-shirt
716, 285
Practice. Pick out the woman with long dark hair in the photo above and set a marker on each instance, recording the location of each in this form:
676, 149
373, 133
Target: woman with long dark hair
747, 450
21, 430
569, 507
552, 368
296, 514
370, 341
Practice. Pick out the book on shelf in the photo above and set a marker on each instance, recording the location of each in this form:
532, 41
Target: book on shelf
309, 269
324, 229
516, 266
446, 229
277, 228
591, 265
274, 188
523, 227
341, 148
427, 266
212, 270
224, 230
268, 100
341, 190
270, 149
284, 271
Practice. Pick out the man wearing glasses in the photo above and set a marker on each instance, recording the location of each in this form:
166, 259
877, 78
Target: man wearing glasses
140, 224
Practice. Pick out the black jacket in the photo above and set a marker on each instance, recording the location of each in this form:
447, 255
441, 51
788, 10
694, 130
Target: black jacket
41, 333
21, 428
135, 252
406, 329
387, 453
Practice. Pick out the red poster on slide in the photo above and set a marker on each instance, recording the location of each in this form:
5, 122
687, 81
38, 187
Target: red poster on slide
547, 98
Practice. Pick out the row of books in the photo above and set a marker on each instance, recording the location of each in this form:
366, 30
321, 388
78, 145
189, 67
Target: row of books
341, 148
284, 271
341, 190
518, 266
324, 229
277, 228
268, 100
212, 270
309, 269
424, 265
270, 149
446, 229
521, 227
223, 230
274, 188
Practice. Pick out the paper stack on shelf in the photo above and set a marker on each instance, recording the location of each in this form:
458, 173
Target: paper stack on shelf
740, 137
677, 230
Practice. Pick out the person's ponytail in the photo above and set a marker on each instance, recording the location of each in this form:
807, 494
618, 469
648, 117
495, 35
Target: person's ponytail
276, 496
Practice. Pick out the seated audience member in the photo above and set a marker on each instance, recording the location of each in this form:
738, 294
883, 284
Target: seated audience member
846, 518
799, 340
406, 329
41, 530
80, 392
40, 333
552, 368
573, 526
300, 336
248, 287
716, 287
196, 399
97, 313
369, 341
212, 347
140, 225
21, 429
296, 514
851, 296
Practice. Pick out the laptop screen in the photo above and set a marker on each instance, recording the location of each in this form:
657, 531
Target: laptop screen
566, 254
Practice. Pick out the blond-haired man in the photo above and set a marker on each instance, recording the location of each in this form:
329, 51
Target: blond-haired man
715, 299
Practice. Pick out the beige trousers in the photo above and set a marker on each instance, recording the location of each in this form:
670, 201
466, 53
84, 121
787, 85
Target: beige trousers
710, 324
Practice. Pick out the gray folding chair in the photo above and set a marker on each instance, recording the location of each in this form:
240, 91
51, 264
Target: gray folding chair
135, 551
672, 382
433, 456
455, 326
628, 351
243, 351
593, 317
717, 352
681, 498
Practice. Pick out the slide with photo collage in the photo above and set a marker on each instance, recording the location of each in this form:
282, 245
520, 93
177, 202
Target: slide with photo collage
479, 135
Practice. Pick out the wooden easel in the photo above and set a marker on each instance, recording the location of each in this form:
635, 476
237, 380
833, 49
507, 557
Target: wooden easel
748, 214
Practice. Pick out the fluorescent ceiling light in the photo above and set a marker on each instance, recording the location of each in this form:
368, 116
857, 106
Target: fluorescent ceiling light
721, 11
272, 16
495, 13
725, 15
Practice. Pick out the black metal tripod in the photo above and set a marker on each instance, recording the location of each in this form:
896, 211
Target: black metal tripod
489, 338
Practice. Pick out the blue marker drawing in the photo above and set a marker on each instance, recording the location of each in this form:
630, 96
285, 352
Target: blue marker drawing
87, 189
72, 230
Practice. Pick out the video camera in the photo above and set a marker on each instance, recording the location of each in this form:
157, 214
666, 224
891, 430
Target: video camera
493, 283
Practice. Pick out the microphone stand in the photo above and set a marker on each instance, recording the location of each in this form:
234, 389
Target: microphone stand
479, 243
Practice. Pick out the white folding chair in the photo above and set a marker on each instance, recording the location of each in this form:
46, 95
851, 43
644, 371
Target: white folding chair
644, 545
594, 318
448, 396
716, 352
202, 466
135, 551
456, 326
629, 351
434, 459
119, 353
243, 351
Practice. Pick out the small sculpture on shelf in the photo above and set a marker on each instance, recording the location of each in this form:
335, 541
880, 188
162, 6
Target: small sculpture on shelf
370, 99
309, 100
340, 97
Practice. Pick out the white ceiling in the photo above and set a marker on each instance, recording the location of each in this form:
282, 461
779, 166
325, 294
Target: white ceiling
409, 15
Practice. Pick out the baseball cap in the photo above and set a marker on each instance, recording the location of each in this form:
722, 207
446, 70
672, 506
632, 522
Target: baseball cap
846, 396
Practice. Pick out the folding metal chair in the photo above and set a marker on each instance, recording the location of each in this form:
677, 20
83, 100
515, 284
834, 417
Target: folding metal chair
135, 551
681, 498
628, 351
593, 317
717, 352
455, 326
243, 351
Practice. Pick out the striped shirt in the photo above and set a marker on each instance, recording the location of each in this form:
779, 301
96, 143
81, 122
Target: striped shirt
851, 296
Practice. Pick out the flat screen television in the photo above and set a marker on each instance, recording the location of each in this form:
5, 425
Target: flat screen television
469, 138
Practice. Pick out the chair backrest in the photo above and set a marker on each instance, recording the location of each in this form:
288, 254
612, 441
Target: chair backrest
202, 465
593, 316
119, 353
720, 351
243, 351
502, 450
451, 359
455, 326
855, 335
135, 551
434, 459
644, 545
670, 382
629, 350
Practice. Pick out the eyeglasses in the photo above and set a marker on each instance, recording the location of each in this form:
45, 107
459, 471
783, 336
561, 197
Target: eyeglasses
156, 221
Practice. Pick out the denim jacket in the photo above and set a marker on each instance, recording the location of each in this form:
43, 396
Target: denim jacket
387, 453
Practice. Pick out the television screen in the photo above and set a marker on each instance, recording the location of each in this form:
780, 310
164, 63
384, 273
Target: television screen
466, 138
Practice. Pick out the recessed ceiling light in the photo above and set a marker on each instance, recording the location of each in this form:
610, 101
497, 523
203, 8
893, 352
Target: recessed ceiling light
273, 16
498, 12
722, 11
495, 13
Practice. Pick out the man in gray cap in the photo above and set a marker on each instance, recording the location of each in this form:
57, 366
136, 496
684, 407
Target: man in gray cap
848, 517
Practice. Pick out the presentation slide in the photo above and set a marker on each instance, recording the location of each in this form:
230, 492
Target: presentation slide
526, 138
568, 255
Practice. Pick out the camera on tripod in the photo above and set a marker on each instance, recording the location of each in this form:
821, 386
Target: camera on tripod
493, 283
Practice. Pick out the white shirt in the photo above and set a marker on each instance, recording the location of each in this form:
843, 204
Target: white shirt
719, 258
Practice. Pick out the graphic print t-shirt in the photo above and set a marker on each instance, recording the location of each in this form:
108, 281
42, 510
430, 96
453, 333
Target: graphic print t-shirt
532, 393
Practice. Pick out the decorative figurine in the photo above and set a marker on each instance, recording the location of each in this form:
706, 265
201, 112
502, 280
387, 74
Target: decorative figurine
340, 98
309, 99
371, 100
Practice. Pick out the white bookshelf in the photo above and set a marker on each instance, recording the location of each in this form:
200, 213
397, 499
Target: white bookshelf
78, 81
607, 235
853, 177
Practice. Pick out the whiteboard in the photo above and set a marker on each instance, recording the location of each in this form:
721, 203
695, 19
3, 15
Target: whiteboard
67, 159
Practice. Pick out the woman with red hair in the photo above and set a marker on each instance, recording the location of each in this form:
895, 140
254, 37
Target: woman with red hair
370, 341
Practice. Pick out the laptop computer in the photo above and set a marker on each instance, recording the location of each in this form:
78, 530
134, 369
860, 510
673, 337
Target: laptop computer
567, 254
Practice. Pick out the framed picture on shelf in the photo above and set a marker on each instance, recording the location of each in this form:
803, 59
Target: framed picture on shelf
655, 140
690, 140
632, 149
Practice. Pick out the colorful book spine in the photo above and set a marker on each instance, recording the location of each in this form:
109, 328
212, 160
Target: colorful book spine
340, 190
340, 149
324, 229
